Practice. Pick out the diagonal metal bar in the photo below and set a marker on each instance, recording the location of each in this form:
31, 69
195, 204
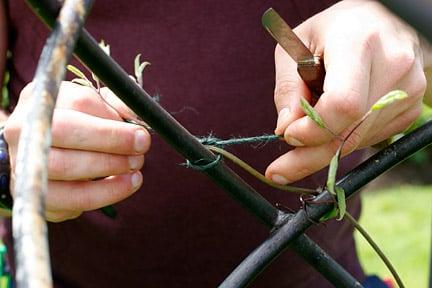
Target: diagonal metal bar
271, 248
29, 226
185, 143
297, 224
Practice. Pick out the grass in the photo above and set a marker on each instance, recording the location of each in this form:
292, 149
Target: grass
399, 219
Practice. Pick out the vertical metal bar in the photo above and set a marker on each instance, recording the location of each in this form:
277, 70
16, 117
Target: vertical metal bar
29, 226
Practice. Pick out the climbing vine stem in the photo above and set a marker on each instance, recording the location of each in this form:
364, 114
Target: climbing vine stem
257, 174
376, 248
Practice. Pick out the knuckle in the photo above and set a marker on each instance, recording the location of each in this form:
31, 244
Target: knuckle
404, 58
347, 104
285, 87
369, 39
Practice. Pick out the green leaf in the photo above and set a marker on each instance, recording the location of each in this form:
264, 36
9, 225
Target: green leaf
76, 71
388, 99
329, 215
331, 178
310, 111
340, 193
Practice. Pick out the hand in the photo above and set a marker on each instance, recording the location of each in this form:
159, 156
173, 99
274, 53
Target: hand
89, 141
367, 52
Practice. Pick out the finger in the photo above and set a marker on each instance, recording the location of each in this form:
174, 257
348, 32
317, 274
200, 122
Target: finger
393, 127
68, 164
112, 100
84, 99
304, 161
398, 116
288, 90
76, 130
345, 96
91, 195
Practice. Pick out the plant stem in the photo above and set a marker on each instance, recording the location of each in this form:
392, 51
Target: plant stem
257, 174
380, 253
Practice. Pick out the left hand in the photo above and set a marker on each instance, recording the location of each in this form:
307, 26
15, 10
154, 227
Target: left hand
367, 52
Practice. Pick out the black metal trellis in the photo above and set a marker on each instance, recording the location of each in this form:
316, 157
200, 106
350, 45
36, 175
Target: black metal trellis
287, 229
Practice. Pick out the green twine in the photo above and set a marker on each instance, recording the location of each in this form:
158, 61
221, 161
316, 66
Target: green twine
210, 140
202, 166
213, 141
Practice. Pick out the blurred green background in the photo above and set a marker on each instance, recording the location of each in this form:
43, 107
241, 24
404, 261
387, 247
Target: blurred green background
399, 219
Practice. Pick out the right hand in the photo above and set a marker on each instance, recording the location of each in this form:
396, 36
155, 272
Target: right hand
89, 141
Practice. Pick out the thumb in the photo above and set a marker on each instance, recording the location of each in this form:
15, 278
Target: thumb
288, 90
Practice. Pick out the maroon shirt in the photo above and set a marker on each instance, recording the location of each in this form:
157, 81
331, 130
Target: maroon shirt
212, 65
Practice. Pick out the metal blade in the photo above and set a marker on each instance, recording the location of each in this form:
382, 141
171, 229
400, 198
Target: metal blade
283, 34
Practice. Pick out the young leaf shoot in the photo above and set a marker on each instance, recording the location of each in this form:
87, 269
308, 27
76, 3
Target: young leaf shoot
388, 99
310, 111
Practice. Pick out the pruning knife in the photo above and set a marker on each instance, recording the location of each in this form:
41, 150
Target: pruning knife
310, 67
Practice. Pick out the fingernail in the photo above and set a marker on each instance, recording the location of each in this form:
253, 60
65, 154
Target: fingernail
279, 179
134, 162
136, 180
294, 142
140, 141
282, 118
